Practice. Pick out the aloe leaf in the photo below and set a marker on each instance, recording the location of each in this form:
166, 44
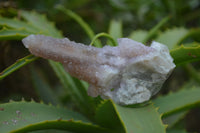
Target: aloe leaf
41, 23
106, 115
42, 87
173, 119
174, 37
78, 94
18, 117
115, 30
141, 120
138, 35
125, 119
17, 24
177, 101
13, 34
194, 74
66, 80
184, 54
45, 27
18, 64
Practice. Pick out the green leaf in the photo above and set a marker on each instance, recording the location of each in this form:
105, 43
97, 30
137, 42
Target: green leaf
73, 87
18, 117
25, 29
178, 101
107, 116
141, 120
17, 24
18, 64
41, 23
42, 87
125, 119
66, 80
115, 29
174, 37
173, 119
13, 34
194, 75
184, 54
138, 35
36, 24
113, 42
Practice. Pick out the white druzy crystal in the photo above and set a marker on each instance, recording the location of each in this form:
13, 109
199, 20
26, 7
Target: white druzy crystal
128, 74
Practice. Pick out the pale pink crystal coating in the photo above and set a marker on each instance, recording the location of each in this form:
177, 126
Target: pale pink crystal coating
129, 73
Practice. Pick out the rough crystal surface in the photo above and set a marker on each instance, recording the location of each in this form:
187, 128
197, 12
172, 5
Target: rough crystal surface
129, 73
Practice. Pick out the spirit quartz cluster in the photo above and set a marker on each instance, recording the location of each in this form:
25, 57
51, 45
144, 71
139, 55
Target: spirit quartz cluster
128, 74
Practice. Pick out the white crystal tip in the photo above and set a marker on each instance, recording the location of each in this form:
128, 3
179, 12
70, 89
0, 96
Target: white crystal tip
30, 40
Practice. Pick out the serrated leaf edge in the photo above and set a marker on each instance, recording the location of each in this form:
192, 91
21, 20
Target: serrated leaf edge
104, 101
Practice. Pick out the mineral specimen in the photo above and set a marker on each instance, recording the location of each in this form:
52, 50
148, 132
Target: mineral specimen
129, 73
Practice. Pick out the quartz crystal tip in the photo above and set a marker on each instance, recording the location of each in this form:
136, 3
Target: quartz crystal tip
29, 40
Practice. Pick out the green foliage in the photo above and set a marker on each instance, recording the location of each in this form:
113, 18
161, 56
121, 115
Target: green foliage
42, 87
17, 24
20, 63
21, 117
112, 40
95, 114
138, 35
174, 37
183, 54
171, 104
145, 119
115, 29
16, 34
74, 87
40, 22
110, 117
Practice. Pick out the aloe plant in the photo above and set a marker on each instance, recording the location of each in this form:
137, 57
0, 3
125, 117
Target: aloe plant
95, 114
